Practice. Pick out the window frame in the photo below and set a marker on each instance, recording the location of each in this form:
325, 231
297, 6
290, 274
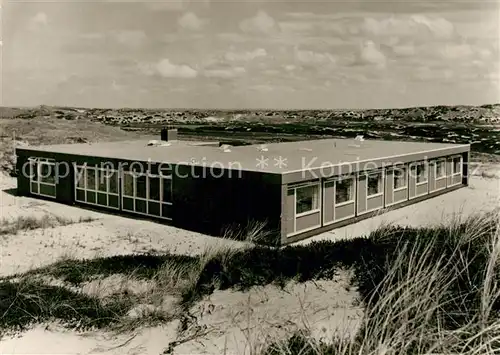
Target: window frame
453, 173
353, 190
147, 199
380, 186
95, 190
426, 170
37, 162
399, 168
436, 163
315, 199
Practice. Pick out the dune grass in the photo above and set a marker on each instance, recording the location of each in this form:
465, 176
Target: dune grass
436, 294
24, 223
424, 289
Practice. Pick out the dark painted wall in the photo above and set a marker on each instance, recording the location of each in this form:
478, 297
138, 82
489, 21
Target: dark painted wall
211, 200
204, 200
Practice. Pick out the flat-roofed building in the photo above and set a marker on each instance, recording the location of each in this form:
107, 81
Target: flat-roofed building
298, 189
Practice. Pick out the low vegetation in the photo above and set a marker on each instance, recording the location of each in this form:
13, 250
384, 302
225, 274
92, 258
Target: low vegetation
424, 289
24, 223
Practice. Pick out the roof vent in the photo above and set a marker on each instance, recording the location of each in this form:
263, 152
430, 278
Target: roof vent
359, 138
225, 148
262, 147
168, 134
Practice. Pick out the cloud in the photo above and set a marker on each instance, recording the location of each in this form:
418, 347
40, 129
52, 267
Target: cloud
245, 56
38, 21
225, 73
189, 21
259, 24
416, 26
425, 73
310, 58
168, 69
370, 55
133, 38
456, 51
404, 50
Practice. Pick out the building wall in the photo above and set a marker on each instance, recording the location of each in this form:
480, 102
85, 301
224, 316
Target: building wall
213, 202
361, 205
333, 216
199, 202
389, 184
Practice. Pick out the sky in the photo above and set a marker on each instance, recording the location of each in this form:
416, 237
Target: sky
241, 54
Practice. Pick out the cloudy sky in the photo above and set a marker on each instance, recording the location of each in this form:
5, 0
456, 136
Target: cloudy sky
250, 54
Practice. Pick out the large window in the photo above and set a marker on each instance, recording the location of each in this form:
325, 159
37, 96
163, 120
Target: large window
97, 186
440, 169
374, 184
306, 199
344, 190
42, 177
148, 194
457, 165
400, 179
421, 172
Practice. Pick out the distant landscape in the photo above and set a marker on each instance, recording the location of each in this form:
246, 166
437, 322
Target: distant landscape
475, 125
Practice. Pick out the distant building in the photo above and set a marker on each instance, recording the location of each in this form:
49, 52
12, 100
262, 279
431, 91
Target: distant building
299, 188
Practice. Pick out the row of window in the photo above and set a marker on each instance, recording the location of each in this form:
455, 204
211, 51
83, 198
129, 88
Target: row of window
307, 196
42, 177
146, 194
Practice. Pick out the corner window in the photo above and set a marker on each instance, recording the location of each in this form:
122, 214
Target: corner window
374, 184
42, 177
307, 199
399, 178
421, 173
457, 164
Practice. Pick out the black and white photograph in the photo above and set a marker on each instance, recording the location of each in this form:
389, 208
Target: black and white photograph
249, 177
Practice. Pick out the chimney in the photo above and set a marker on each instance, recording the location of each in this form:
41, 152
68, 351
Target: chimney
169, 134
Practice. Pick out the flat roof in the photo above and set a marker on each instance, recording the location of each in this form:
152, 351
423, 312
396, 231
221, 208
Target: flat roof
279, 158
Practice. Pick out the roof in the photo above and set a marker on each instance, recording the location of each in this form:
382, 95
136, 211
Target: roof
280, 158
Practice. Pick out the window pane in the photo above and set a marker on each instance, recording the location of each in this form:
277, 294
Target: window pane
456, 165
140, 186
113, 201
102, 177
140, 206
91, 179
34, 187
128, 185
80, 195
374, 182
80, 178
47, 173
48, 190
102, 199
421, 173
440, 170
113, 182
91, 196
34, 170
128, 204
154, 208
399, 178
154, 188
344, 191
167, 190
307, 199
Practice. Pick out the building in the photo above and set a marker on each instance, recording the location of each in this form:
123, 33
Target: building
299, 188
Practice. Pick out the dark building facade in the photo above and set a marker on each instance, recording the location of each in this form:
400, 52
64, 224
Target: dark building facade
293, 203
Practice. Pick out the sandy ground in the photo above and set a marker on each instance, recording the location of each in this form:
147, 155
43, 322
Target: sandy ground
234, 322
